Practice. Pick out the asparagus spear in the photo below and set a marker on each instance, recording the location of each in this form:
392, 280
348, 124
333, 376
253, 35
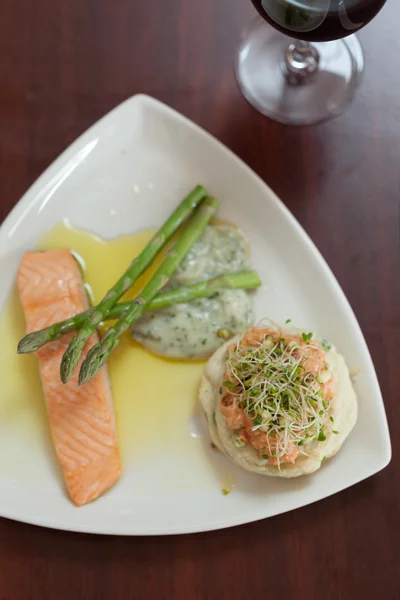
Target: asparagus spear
99, 354
243, 280
138, 266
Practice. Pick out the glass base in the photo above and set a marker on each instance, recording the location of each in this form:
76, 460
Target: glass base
321, 95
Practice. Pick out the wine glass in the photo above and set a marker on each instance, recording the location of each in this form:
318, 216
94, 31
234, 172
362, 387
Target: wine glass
313, 77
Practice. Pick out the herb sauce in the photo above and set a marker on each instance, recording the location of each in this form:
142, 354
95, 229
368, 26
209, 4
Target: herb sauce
196, 329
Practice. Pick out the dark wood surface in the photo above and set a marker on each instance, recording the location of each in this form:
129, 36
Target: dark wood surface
63, 64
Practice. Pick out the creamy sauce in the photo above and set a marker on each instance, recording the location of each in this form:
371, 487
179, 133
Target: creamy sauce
191, 330
152, 412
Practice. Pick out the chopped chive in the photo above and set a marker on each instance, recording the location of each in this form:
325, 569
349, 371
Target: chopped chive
288, 321
335, 432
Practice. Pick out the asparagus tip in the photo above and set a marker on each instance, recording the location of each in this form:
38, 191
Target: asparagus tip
68, 363
89, 369
89, 366
84, 376
32, 342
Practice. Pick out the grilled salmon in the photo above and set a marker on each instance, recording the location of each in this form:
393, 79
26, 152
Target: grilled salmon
82, 419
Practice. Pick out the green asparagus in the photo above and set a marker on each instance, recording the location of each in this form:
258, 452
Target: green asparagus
243, 280
138, 266
99, 354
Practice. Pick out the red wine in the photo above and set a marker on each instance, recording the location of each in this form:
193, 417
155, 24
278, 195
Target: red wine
318, 20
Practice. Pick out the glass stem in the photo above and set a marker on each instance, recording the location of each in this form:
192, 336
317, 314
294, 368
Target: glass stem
301, 62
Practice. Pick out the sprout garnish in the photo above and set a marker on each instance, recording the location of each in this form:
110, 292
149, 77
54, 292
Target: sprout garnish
277, 393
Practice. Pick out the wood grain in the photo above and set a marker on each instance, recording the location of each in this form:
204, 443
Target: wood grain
64, 63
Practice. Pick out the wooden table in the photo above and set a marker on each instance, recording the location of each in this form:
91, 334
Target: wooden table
64, 63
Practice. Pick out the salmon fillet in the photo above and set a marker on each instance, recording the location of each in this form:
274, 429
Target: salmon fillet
82, 419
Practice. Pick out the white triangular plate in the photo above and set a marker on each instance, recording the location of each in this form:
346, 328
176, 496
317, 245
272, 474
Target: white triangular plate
135, 164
